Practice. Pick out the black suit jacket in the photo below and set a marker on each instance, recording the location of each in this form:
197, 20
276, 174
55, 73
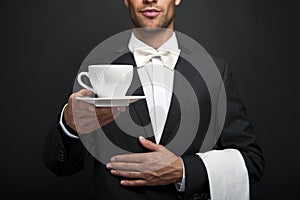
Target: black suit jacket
65, 156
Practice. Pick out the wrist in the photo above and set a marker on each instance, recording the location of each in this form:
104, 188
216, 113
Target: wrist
66, 121
179, 169
69, 128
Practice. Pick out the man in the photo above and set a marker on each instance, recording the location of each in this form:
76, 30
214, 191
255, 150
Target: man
153, 171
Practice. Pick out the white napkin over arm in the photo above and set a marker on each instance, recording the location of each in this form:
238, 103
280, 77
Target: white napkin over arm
227, 174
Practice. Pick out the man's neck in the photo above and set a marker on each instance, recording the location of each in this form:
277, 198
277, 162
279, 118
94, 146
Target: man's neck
154, 37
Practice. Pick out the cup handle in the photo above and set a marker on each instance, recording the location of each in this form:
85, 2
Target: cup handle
82, 83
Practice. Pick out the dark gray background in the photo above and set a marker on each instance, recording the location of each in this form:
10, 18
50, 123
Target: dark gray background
44, 42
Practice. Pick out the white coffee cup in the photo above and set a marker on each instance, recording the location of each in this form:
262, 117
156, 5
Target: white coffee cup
108, 80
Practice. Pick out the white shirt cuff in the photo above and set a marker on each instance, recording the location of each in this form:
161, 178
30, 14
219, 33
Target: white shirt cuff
181, 186
63, 126
227, 174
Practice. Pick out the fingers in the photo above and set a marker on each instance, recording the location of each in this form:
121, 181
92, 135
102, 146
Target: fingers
105, 122
106, 111
130, 175
133, 167
130, 158
79, 105
85, 92
148, 144
104, 115
135, 183
80, 93
87, 115
138, 176
86, 128
121, 109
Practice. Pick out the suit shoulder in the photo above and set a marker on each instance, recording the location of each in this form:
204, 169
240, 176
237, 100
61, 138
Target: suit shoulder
221, 64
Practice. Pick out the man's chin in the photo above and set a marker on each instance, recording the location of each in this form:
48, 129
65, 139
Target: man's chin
152, 29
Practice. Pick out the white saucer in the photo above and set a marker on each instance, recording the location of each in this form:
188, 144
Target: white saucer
111, 101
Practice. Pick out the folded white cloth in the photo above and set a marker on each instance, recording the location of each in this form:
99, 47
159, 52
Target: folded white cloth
227, 174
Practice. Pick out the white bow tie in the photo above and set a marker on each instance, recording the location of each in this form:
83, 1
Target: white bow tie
143, 55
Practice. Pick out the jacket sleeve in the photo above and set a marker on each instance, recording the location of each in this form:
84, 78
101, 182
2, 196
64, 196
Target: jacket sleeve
238, 132
62, 154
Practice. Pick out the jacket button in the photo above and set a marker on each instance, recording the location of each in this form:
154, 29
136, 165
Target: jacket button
200, 196
60, 155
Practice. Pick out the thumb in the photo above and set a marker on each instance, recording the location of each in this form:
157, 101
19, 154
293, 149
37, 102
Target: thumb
85, 92
148, 144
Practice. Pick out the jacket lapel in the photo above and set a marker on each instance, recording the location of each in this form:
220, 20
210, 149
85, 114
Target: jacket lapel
138, 110
179, 103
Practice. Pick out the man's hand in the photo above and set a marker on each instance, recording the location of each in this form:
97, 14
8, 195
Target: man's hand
85, 118
159, 167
